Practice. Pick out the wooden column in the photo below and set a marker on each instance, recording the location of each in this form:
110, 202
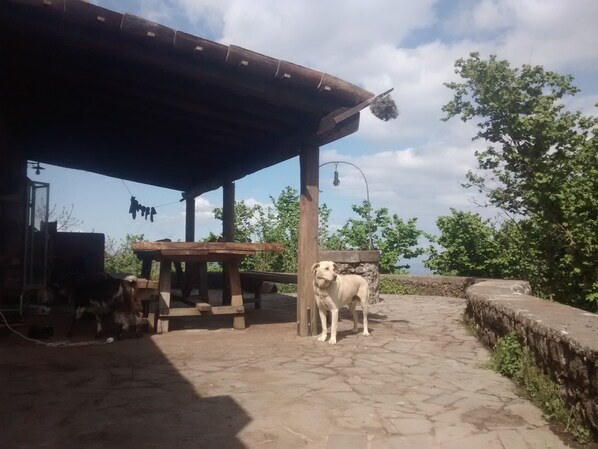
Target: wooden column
190, 220
308, 241
191, 269
228, 233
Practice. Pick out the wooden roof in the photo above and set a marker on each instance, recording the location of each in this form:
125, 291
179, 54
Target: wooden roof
92, 89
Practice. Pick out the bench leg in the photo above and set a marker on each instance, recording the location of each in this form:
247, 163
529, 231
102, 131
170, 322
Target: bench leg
257, 294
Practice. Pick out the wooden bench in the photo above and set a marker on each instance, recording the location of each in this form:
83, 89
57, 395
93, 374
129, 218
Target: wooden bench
253, 280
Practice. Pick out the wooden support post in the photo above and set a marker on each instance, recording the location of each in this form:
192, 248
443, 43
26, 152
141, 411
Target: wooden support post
228, 233
164, 299
190, 269
308, 241
196, 272
190, 220
146, 267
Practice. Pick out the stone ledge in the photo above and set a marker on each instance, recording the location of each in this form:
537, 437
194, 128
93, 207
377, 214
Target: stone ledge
563, 339
451, 286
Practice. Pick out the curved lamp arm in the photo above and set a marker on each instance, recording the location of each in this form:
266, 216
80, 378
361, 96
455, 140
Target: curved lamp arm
367, 192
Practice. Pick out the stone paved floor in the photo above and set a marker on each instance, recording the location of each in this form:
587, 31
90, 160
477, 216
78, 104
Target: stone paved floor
414, 383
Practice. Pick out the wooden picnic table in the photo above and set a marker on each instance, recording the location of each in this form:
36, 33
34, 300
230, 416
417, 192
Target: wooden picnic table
231, 253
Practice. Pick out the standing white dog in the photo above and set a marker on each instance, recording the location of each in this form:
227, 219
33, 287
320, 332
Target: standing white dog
333, 291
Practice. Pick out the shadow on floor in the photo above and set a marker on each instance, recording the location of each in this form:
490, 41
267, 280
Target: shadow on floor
120, 395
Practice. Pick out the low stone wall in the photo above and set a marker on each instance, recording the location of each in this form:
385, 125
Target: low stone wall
563, 339
451, 286
363, 263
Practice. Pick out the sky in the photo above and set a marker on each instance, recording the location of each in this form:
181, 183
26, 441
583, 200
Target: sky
414, 165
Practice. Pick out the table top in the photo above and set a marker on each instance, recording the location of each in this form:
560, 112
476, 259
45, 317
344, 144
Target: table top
177, 250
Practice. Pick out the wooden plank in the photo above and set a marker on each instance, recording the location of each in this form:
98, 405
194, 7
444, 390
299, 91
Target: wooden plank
193, 311
55, 7
181, 311
92, 16
203, 307
295, 75
251, 62
229, 310
283, 278
146, 29
210, 246
341, 114
184, 252
201, 49
308, 241
142, 283
344, 129
212, 257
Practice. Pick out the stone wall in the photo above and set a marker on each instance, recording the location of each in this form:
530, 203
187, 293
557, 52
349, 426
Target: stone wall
363, 263
451, 286
563, 339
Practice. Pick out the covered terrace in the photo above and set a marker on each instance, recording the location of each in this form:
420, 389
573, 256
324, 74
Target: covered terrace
93, 89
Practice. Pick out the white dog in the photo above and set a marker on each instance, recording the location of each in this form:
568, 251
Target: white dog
333, 291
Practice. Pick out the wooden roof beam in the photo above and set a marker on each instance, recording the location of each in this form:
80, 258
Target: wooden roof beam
280, 152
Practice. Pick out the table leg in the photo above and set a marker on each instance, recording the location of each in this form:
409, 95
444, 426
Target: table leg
236, 293
164, 300
203, 281
146, 267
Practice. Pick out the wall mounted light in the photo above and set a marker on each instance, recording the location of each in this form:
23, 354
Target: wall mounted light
36, 166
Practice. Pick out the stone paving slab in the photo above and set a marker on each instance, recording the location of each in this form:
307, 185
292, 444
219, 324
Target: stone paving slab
416, 382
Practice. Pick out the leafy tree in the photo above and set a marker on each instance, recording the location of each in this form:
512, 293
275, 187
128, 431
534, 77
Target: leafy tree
394, 238
278, 223
469, 246
541, 165
245, 230
119, 256
245, 221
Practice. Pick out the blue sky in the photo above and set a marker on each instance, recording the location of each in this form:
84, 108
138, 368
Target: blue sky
414, 164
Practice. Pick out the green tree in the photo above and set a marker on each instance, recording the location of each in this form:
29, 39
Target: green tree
541, 165
245, 221
278, 223
395, 239
468, 246
119, 256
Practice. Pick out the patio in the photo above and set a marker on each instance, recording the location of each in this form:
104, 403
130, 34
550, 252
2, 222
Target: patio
416, 382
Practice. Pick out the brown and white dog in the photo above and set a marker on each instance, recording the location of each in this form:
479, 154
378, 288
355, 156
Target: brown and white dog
102, 295
333, 291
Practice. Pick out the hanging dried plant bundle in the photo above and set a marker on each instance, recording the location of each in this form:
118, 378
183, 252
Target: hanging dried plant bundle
385, 108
